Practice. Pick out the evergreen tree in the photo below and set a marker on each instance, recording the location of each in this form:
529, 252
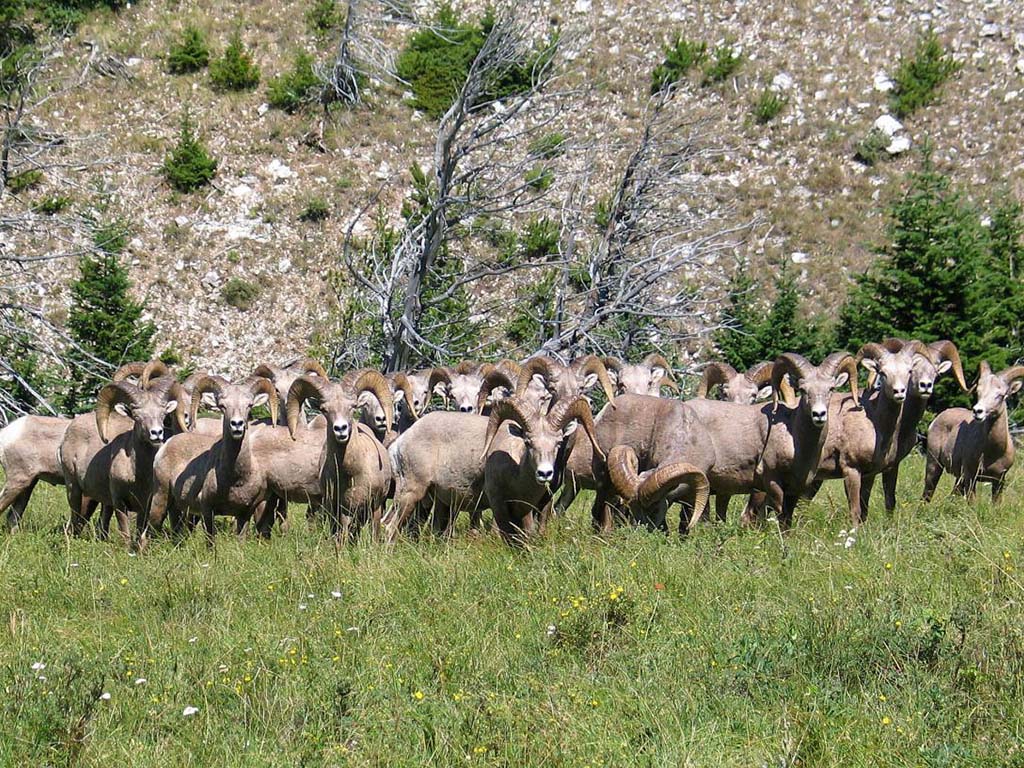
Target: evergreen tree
104, 321
27, 377
738, 341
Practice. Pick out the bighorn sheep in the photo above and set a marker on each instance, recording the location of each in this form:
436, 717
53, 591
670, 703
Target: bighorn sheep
283, 376
644, 491
524, 460
354, 469
222, 475
28, 454
460, 384
107, 457
974, 445
747, 388
644, 378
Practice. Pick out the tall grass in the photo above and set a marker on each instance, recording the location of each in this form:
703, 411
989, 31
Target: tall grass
899, 644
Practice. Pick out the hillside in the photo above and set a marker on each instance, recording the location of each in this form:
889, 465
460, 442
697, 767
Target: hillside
817, 206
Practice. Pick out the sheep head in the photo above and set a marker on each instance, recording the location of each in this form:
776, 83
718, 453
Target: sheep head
645, 378
497, 385
994, 389
890, 368
404, 392
542, 433
146, 408
814, 384
234, 401
338, 400
745, 388
641, 491
421, 392
936, 358
284, 375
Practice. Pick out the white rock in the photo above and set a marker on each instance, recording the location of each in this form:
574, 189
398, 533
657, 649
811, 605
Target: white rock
134, 61
820, 95
799, 257
279, 171
383, 171
1020, 66
990, 30
181, 221
613, 51
189, 711
888, 125
782, 82
886, 12
1010, 96
882, 82
262, 109
179, 265
211, 279
284, 264
899, 145
241, 191
582, 6
1018, 42
136, 244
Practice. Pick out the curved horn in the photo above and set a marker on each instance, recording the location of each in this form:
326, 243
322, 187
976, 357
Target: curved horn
714, 374
177, 393
375, 383
842, 362
109, 396
654, 486
128, 370
1013, 372
542, 365
511, 367
509, 409
437, 376
668, 380
309, 365
495, 378
872, 350
258, 384
154, 370
623, 471
798, 367
759, 374
302, 389
214, 384
401, 382
946, 350
190, 382
614, 364
265, 371
578, 409
592, 364
467, 367
894, 344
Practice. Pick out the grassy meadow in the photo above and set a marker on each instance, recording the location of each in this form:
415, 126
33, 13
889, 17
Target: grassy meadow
899, 644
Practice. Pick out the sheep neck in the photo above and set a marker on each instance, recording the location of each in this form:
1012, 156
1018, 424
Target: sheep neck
885, 415
809, 447
235, 454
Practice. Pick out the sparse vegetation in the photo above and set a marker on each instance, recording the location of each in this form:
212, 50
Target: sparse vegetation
918, 78
235, 69
189, 165
316, 209
539, 239
239, 293
680, 58
296, 88
189, 53
54, 204
723, 64
540, 178
549, 146
871, 149
24, 181
768, 105
324, 16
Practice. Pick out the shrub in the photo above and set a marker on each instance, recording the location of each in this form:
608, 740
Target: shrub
871, 148
189, 166
768, 106
549, 146
324, 16
235, 70
295, 88
111, 237
317, 209
240, 293
724, 63
24, 181
53, 204
540, 239
680, 58
918, 79
540, 178
189, 53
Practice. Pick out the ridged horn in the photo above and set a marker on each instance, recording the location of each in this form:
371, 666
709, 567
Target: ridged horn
302, 389
578, 409
668, 380
623, 468
154, 370
510, 367
495, 378
128, 370
467, 368
551, 370
714, 375
258, 384
177, 393
265, 371
654, 486
109, 396
842, 362
592, 364
759, 374
946, 350
509, 409
1012, 373
798, 367
894, 344
400, 382
375, 383
214, 384
612, 363
872, 350
309, 365
439, 375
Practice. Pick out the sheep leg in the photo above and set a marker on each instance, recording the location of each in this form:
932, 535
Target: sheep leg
754, 511
932, 473
266, 515
405, 504
889, 479
442, 522
601, 512
851, 481
14, 500
997, 488
866, 486
208, 525
722, 506
545, 513
376, 515
567, 496
82, 508
123, 524
776, 497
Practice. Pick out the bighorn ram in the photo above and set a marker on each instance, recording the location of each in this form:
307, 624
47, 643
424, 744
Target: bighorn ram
644, 378
974, 445
524, 461
222, 475
107, 457
354, 470
283, 376
644, 491
746, 388
460, 384
28, 454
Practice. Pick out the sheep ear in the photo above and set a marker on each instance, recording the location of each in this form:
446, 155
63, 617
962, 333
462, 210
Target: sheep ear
260, 399
764, 392
569, 428
870, 363
365, 400
589, 382
1016, 386
171, 405
209, 399
657, 374
945, 365
441, 389
614, 375
399, 396
839, 380
514, 429
123, 410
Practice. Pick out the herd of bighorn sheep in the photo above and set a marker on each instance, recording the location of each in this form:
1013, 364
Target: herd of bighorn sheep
508, 438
